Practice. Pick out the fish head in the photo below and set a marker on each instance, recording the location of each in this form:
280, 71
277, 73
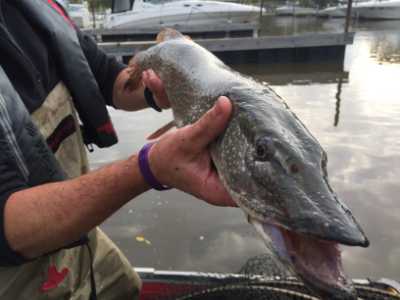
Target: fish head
283, 187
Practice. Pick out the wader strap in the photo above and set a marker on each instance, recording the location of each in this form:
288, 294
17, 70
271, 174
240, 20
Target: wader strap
93, 292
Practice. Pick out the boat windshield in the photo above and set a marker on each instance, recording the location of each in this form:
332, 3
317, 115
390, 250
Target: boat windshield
119, 6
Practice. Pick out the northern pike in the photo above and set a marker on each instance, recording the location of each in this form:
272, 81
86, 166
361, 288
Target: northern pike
271, 165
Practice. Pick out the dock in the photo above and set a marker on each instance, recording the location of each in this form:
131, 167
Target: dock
233, 44
316, 47
195, 32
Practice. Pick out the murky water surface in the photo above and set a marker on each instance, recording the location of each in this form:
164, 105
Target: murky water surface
353, 110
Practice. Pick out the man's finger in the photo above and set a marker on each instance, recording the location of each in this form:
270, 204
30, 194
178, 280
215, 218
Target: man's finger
211, 124
152, 81
145, 78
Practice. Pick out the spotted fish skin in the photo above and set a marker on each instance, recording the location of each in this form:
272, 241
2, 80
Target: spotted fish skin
268, 161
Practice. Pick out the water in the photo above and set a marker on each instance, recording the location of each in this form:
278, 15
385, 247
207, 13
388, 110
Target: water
354, 111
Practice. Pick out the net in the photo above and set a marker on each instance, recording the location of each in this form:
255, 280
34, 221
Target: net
283, 290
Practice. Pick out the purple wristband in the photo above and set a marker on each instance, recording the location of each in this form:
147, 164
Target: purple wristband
144, 167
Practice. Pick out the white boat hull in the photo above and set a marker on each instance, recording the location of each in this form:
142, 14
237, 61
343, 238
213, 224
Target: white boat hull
333, 12
185, 13
199, 19
384, 10
373, 10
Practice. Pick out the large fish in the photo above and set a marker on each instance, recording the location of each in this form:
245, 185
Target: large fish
272, 166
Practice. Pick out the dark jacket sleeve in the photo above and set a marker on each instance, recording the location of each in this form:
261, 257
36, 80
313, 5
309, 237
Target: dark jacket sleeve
104, 67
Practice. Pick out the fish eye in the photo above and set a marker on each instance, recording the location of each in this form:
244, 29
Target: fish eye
264, 149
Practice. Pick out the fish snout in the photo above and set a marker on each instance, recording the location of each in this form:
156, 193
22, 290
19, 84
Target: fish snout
326, 218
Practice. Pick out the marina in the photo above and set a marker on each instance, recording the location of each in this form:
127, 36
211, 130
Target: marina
145, 16
124, 33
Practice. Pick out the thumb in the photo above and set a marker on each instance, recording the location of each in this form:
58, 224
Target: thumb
211, 124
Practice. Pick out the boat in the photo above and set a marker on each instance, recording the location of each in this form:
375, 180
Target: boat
295, 10
338, 11
79, 14
378, 10
139, 14
372, 9
210, 286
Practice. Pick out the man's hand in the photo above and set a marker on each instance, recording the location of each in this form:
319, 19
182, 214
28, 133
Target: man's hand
181, 159
131, 98
155, 85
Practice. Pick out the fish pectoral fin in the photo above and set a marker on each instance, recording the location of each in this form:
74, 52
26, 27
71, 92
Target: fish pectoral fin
159, 132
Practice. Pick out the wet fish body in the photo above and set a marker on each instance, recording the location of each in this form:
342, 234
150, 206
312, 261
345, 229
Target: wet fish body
269, 162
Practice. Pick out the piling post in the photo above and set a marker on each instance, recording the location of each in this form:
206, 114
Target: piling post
256, 31
348, 16
261, 9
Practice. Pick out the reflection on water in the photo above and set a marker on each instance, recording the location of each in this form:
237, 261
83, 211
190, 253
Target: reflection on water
298, 74
338, 100
271, 25
301, 74
353, 110
386, 48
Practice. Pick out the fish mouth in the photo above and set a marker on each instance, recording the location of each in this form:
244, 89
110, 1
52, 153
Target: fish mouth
317, 262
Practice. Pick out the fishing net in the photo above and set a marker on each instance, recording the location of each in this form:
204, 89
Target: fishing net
281, 291
246, 292
259, 288
261, 278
